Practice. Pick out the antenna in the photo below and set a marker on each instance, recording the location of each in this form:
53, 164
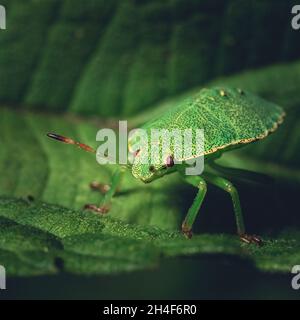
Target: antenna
80, 145
71, 141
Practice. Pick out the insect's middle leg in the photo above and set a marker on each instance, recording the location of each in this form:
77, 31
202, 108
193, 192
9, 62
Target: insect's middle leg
189, 220
105, 203
229, 187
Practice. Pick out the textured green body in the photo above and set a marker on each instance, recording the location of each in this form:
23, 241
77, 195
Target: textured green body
232, 118
229, 117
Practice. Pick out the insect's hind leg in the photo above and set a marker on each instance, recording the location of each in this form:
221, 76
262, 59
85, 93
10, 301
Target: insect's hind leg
189, 220
241, 174
229, 187
105, 203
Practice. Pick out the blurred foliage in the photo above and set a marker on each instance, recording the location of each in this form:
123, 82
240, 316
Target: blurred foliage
118, 57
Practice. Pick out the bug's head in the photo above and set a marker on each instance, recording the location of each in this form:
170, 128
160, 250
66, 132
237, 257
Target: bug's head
148, 172
150, 160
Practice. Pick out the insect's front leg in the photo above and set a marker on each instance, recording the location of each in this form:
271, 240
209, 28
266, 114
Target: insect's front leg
101, 187
189, 220
106, 202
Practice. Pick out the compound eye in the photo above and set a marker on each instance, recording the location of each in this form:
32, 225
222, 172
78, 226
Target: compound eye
151, 168
170, 161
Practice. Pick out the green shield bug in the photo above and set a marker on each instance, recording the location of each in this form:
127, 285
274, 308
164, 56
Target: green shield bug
230, 118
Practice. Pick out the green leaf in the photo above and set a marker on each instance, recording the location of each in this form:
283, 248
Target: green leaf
38, 238
118, 57
21, 45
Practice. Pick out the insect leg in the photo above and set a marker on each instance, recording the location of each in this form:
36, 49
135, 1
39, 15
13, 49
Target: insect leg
189, 220
101, 187
105, 203
229, 187
241, 174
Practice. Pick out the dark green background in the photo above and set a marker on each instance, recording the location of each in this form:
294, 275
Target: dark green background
118, 57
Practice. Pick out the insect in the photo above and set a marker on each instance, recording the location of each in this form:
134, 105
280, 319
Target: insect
231, 118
